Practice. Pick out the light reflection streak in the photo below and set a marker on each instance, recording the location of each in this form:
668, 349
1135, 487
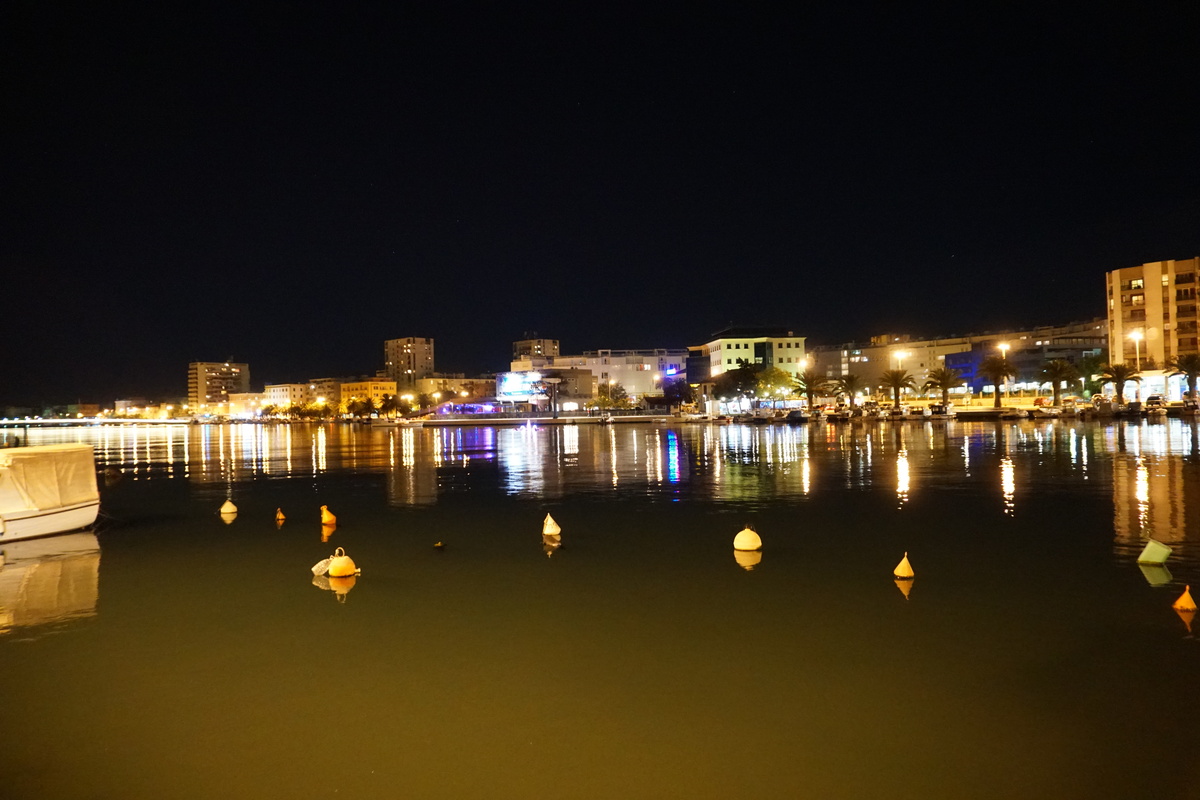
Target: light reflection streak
902, 477
1141, 494
1008, 484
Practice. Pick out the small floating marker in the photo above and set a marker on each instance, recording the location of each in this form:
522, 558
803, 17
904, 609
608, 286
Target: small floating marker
905, 586
341, 565
439, 546
1185, 601
1154, 553
279, 517
327, 517
228, 507
747, 559
904, 570
550, 527
747, 539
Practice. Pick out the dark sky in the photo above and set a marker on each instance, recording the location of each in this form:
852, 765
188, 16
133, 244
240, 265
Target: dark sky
292, 184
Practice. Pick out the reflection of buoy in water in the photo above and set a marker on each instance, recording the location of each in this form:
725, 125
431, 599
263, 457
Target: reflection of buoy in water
342, 586
905, 586
747, 559
1185, 601
1187, 617
341, 565
279, 517
439, 546
326, 531
904, 570
747, 539
550, 543
228, 518
550, 527
327, 517
228, 507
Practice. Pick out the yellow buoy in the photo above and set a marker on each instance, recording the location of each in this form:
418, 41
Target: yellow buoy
1185, 601
747, 539
228, 507
327, 517
904, 570
550, 527
279, 517
341, 565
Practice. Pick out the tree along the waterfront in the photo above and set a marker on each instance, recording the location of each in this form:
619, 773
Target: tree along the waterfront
996, 370
943, 379
849, 385
1119, 375
1057, 372
1187, 365
810, 383
897, 380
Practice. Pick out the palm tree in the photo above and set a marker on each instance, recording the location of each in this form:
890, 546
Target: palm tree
389, 404
1119, 375
897, 380
943, 379
810, 383
1187, 365
996, 370
1058, 372
849, 385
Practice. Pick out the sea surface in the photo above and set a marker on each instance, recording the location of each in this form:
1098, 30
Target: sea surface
174, 653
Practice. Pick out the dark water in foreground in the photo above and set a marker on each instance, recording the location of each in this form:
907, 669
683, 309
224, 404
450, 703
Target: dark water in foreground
1033, 658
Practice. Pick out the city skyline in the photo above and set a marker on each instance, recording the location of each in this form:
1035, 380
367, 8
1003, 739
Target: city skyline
291, 186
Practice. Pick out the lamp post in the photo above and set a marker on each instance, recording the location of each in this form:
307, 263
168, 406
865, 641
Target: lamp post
553, 382
1137, 349
900, 356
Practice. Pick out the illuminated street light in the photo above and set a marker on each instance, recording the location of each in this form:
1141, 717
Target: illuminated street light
1004, 354
900, 356
1137, 349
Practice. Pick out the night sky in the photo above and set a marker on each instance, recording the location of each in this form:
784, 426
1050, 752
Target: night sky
291, 184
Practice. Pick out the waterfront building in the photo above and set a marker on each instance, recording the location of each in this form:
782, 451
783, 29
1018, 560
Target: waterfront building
210, 383
534, 347
374, 389
574, 387
1152, 312
246, 405
766, 346
1028, 349
639, 372
407, 360
457, 384
328, 390
285, 395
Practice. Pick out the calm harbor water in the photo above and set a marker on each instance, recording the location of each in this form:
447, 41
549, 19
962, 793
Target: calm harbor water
177, 654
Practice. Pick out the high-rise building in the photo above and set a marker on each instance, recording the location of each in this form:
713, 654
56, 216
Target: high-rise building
407, 360
534, 347
211, 382
1152, 312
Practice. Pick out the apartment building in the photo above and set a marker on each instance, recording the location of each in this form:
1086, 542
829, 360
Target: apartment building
211, 382
640, 372
408, 360
1152, 312
535, 347
776, 347
373, 388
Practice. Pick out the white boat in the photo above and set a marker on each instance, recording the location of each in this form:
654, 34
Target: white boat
1013, 413
47, 489
398, 422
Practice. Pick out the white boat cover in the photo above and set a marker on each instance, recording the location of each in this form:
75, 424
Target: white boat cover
46, 477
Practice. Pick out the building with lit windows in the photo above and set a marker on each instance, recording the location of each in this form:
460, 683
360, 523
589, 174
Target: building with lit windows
776, 347
368, 388
1152, 312
535, 347
457, 385
639, 372
408, 360
285, 395
211, 382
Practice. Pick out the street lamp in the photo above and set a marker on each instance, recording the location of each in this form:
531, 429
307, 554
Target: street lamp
554, 382
900, 356
1137, 349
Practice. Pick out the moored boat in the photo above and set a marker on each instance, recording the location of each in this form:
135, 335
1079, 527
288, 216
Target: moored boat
47, 489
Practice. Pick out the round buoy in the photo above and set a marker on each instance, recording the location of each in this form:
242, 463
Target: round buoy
747, 539
341, 565
904, 570
327, 517
279, 517
1185, 601
228, 507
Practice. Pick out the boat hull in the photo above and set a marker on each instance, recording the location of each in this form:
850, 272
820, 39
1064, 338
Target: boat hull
14, 527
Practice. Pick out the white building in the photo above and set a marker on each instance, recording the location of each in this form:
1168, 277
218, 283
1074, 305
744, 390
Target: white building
776, 347
285, 395
640, 372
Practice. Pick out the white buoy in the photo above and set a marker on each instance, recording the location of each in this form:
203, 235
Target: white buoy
904, 570
550, 527
228, 507
747, 539
1154, 553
